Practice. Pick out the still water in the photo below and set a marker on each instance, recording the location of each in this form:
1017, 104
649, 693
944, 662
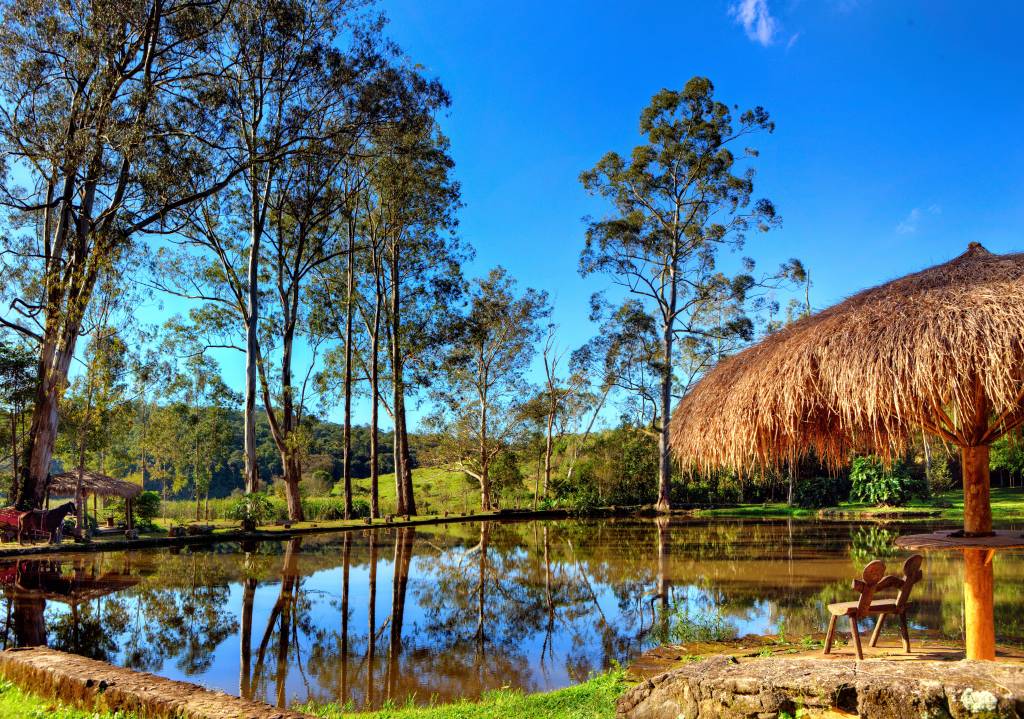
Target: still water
453, 610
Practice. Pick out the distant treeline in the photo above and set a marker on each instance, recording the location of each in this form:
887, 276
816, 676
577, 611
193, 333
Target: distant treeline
151, 445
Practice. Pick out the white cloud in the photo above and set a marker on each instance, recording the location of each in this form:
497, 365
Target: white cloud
792, 40
910, 224
756, 19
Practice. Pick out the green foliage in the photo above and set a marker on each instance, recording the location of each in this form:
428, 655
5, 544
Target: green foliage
873, 483
818, 492
687, 626
620, 467
320, 509
252, 509
505, 473
940, 475
145, 509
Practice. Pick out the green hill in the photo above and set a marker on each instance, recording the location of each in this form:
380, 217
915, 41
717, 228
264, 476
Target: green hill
437, 491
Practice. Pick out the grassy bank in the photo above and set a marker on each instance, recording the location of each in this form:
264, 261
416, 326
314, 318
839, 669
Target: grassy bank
18, 704
593, 699
437, 490
1007, 504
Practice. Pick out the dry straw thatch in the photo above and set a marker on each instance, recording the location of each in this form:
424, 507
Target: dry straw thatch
941, 350
93, 483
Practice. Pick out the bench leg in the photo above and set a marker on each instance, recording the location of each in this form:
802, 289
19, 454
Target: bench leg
904, 632
877, 630
856, 636
831, 633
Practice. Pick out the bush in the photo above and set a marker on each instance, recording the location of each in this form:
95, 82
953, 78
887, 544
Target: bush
818, 492
252, 509
686, 626
321, 509
145, 508
871, 482
940, 475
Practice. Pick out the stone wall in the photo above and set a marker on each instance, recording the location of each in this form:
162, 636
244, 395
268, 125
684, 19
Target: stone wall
722, 688
96, 685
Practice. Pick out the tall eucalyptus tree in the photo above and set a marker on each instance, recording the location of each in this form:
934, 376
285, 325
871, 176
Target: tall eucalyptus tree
676, 203
110, 122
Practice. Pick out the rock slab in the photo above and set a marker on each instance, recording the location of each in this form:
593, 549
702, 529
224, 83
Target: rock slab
722, 688
96, 685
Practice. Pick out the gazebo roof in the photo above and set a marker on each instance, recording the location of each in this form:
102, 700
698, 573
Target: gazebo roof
65, 483
941, 349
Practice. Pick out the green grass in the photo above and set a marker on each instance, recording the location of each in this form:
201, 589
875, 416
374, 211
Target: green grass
761, 510
593, 699
1006, 504
18, 704
437, 491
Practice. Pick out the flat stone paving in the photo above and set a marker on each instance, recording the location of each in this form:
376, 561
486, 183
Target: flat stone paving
96, 685
671, 656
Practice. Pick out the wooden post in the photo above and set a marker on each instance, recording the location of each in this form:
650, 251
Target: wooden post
977, 506
128, 513
979, 622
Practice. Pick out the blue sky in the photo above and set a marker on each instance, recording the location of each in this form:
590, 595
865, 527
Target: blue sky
897, 138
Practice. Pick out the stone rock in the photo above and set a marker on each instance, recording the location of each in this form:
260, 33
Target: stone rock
95, 685
722, 687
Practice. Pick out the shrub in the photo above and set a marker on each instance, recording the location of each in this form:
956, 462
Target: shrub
871, 482
252, 509
940, 476
686, 626
145, 508
818, 492
320, 509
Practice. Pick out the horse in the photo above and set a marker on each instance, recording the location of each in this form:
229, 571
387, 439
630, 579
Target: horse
42, 521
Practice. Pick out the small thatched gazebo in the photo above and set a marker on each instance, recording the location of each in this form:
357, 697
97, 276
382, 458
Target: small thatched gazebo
95, 484
940, 350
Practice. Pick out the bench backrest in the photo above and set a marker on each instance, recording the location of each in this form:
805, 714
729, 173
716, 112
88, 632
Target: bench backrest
912, 574
873, 574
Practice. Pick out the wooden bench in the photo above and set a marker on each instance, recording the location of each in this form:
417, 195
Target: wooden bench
876, 580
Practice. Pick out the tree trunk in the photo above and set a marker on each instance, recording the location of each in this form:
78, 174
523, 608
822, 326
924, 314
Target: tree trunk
410, 498
547, 450
292, 475
346, 449
252, 473
665, 408
374, 430
252, 318
53, 373
14, 444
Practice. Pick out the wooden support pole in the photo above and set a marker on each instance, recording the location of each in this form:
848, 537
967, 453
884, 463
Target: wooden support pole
979, 621
977, 506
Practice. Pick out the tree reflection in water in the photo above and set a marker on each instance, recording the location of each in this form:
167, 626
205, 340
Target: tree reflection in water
453, 610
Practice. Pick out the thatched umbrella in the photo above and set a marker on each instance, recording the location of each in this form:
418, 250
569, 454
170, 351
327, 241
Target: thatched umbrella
940, 350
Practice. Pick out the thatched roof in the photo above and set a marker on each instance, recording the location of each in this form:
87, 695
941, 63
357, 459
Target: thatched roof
65, 483
941, 349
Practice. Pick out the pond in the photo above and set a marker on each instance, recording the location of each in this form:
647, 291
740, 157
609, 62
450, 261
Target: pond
440, 612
